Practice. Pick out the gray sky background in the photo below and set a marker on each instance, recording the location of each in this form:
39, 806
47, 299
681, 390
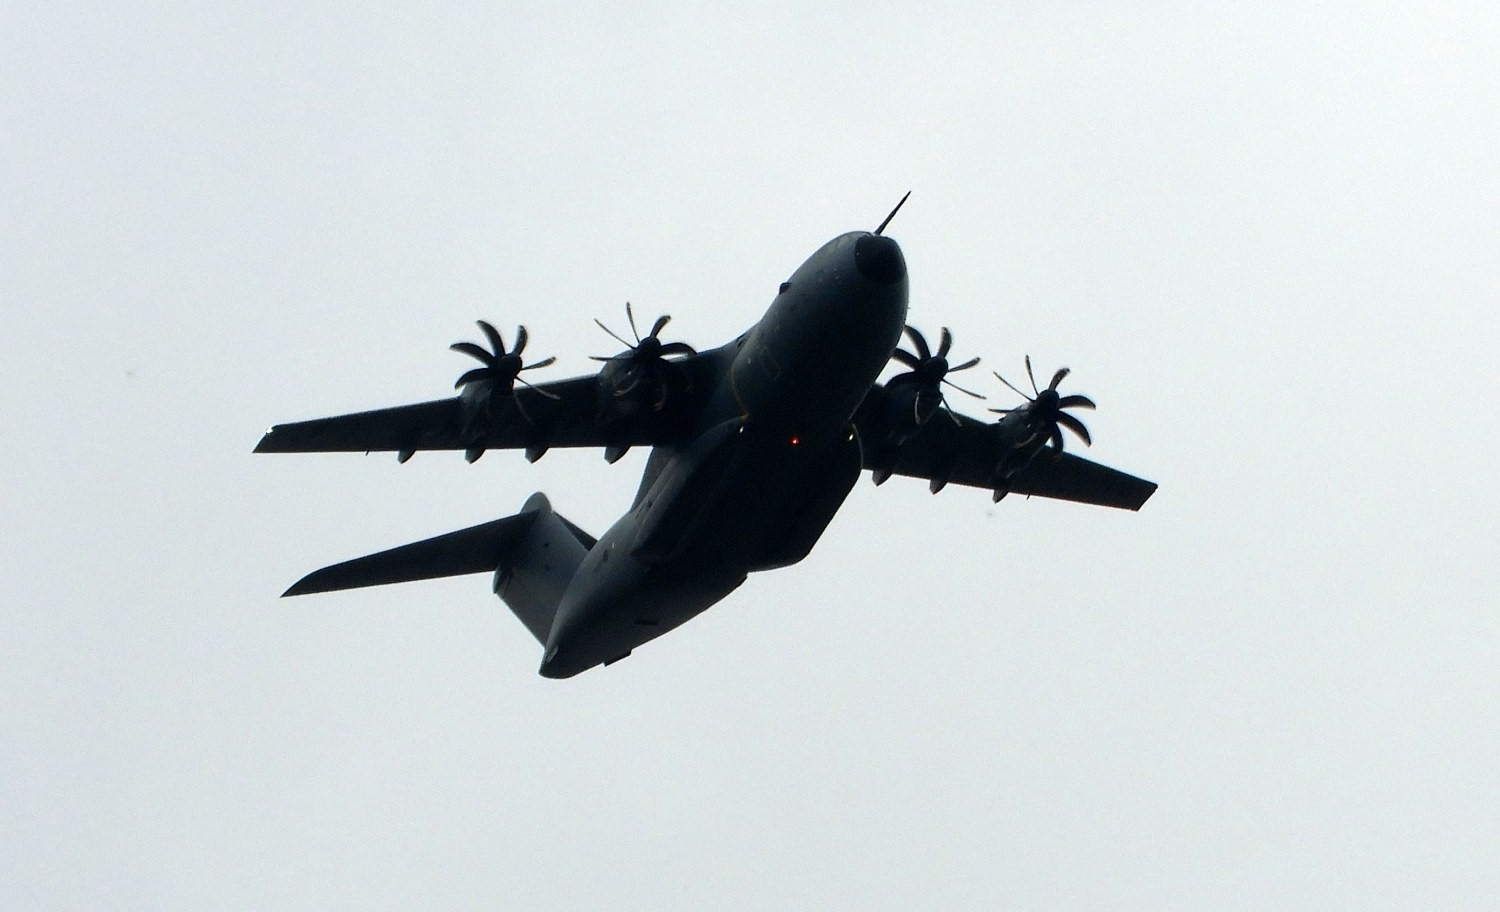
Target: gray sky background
1263, 236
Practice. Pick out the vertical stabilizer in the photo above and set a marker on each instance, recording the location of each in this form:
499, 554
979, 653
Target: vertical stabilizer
538, 567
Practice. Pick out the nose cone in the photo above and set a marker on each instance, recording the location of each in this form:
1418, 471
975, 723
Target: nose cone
879, 259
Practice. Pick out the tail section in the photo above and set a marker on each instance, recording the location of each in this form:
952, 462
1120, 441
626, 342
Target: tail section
533, 555
535, 572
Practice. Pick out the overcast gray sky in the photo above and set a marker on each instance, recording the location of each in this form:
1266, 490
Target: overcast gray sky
1263, 236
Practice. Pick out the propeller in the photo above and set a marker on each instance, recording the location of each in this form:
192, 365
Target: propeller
644, 362
929, 372
499, 375
500, 367
1043, 412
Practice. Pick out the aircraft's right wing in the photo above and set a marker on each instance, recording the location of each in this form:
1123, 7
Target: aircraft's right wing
967, 451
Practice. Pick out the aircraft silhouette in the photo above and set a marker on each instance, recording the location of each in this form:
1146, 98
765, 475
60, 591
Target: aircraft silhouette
754, 446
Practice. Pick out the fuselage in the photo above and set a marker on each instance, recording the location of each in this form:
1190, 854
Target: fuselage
765, 467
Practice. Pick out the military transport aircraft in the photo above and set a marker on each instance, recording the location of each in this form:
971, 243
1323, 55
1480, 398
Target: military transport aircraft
754, 446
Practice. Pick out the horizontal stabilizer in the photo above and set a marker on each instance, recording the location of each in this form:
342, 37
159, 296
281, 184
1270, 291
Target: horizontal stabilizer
478, 549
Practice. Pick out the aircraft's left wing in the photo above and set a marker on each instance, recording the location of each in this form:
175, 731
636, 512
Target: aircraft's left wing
968, 451
560, 414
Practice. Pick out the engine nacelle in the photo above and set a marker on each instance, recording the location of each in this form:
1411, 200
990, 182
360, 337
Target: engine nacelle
909, 408
632, 394
1017, 442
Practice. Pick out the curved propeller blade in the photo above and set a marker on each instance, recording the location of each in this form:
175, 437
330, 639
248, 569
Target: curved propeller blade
919, 341
497, 344
1076, 426
906, 358
473, 351
677, 348
472, 376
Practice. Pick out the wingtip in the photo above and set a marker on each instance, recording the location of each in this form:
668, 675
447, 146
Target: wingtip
1146, 493
307, 585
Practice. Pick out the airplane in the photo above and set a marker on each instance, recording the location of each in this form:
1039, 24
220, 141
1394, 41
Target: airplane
754, 446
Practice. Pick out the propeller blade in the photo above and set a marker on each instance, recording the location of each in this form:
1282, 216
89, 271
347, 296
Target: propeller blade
630, 385
659, 325
1032, 377
630, 315
946, 343
474, 351
535, 389
520, 341
1076, 426
964, 366
542, 363
906, 358
473, 376
961, 389
1076, 401
919, 342
1057, 377
677, 348
613, 334
497, 344
1013, 387
1057, 439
